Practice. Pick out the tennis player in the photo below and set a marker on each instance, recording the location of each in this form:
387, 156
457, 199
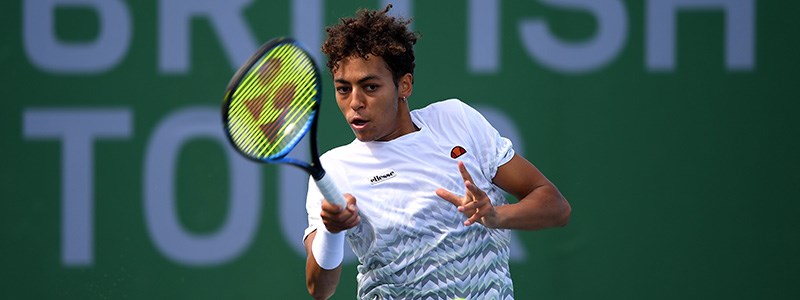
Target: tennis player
426, 214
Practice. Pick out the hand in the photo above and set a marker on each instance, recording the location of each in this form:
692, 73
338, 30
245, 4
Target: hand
475, 204
337, 219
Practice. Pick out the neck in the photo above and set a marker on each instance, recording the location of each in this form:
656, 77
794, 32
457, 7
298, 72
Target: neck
406, 125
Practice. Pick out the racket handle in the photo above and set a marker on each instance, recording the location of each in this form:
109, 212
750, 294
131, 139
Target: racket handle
329, 190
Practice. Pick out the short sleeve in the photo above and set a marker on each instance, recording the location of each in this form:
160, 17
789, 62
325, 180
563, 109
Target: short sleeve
495, 150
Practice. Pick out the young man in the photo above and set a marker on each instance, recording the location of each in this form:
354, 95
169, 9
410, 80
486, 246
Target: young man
425, 212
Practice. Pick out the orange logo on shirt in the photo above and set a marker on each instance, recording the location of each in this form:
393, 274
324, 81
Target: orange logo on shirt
457, 151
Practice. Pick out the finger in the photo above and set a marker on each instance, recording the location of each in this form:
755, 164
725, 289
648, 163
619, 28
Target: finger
450, 197
351, 222
464, 173
330, 207
334, 212
479, 214
335, 218
469, 196
340, 221
351, 203
479, 207
474, 189
334, 228
474, 218
472, 205
473, 194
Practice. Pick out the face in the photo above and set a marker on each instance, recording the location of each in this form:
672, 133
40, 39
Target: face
370, 101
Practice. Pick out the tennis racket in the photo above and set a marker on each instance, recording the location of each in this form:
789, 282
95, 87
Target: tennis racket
271, 102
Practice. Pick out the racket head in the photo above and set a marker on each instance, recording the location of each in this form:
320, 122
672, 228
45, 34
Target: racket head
272, 101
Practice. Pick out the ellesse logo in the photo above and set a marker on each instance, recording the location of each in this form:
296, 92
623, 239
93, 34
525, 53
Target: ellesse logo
382, 176
457, 151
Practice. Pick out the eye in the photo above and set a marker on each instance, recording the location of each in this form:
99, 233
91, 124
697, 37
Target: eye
371, 87
342, 89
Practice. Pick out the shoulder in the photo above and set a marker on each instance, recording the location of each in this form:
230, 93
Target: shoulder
450, 109
444, 107
450, 112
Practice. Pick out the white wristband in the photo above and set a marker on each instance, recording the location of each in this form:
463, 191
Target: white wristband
328, 248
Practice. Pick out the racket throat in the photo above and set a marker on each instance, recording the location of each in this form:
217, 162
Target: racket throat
317, 173
312, 169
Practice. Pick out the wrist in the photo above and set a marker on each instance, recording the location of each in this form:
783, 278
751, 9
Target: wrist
328, 248
495, 219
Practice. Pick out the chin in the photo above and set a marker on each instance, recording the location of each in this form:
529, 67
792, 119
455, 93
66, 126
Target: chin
364, 138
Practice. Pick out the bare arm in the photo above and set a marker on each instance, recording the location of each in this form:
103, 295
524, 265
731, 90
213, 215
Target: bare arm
540, 203
321, 283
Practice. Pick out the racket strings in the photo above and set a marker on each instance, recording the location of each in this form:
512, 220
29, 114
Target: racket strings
284, 78
294, 113
281, 115
257, 83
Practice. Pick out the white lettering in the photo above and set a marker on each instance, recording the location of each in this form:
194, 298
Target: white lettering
484, 31
307, 16
225, 17
77, 129
161, 217
578, 57
52, 55
739, 31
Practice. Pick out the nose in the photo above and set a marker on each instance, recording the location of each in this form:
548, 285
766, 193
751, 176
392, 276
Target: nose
357, 99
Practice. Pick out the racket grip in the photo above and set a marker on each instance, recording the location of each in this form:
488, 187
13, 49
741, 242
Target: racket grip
329, 190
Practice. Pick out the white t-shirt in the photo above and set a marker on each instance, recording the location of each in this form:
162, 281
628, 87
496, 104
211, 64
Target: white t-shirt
410, 243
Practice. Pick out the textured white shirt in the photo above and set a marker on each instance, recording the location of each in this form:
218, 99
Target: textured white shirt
412, 244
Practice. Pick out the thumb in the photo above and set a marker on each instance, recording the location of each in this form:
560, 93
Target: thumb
351, 202
449, 196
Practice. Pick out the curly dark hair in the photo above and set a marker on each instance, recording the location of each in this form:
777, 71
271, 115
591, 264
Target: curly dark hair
375, 33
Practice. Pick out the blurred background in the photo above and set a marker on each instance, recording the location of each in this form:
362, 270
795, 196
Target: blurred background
670, 125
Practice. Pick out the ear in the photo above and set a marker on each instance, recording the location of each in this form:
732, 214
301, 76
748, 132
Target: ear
405, 85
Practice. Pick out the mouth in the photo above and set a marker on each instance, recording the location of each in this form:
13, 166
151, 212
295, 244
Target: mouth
358, 123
